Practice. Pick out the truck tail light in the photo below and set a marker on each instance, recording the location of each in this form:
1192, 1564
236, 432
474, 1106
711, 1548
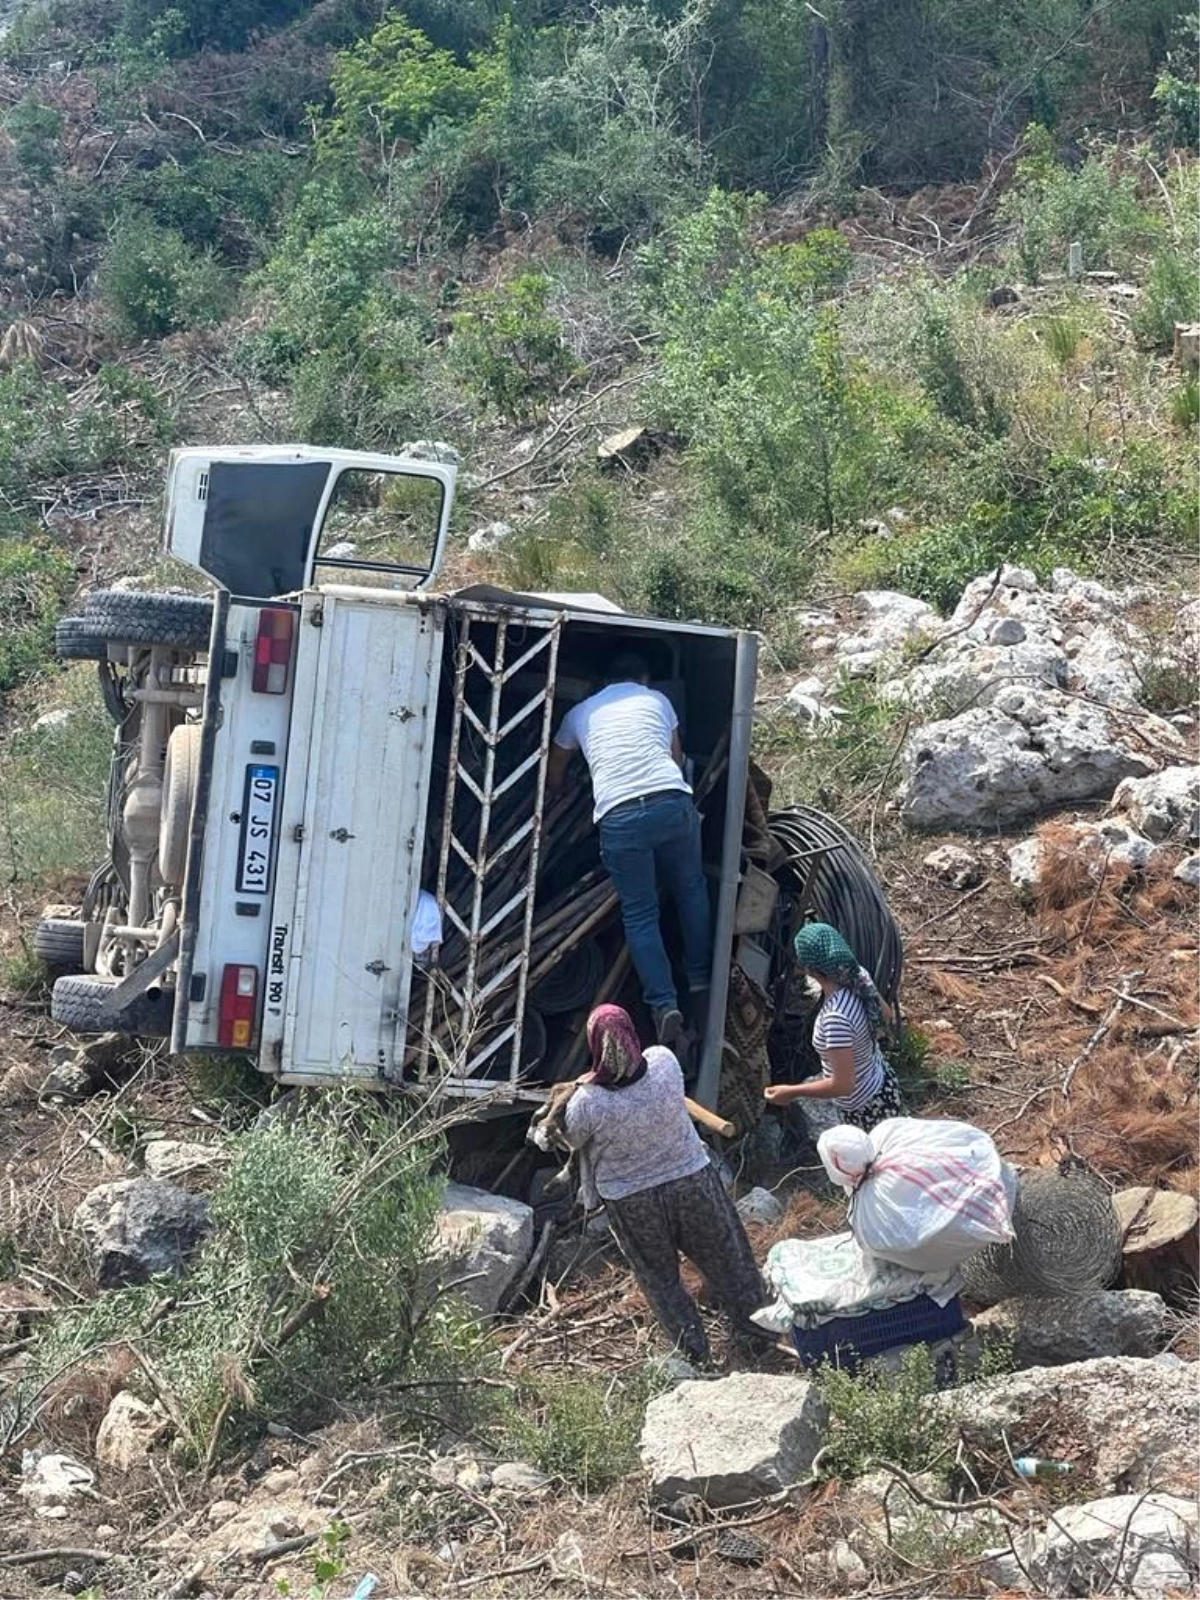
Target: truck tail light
239, 1007
273, 650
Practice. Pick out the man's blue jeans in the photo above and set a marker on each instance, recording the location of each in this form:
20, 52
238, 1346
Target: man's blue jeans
643, 843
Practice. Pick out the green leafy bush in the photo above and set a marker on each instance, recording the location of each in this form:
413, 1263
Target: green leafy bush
1096, 206
315, 1286
395, 84
34, 129
218, 201
879, 1414
53, 780
1172, 289
1177, 90
509, 345
34, 580
155, 283
584, 1429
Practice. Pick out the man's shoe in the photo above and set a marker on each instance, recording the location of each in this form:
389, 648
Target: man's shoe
668, 1025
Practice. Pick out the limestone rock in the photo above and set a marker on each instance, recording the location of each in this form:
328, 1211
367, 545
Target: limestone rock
432, 450
1188, 871
960, 868
50, 1481
1161, 1234
733, 1439
490, 537
886, 621
175, 1159
1141, 1546
1162, 804
138, 1227
760, 1205
1028, 752
1109, 1322
968, 672
128, 1432
1134, 1422
518, 1477
77, 1071
1100, 844
483, 1240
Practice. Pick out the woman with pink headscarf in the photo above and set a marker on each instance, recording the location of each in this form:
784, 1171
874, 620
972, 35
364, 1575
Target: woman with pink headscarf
662, 1194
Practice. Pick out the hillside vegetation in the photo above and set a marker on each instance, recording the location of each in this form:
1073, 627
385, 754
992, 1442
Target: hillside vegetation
786, 241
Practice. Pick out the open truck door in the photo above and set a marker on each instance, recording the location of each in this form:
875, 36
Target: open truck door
271, 520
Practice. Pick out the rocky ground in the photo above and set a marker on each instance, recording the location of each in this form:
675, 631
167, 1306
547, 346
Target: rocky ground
1036, 831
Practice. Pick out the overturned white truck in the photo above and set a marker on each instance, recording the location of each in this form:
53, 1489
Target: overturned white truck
297, 758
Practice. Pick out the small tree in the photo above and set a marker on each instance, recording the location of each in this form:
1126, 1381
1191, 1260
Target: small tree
509, 345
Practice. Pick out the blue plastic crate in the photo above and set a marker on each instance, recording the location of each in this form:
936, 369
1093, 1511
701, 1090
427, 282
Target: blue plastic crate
845, 1341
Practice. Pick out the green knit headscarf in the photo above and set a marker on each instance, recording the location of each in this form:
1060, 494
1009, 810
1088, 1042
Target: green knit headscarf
822, 949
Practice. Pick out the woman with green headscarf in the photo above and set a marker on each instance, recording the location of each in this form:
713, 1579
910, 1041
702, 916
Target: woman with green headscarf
855, 1074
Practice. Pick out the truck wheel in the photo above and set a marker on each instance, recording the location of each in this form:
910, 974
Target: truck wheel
85, 1005
180, 776
113, 616
58, 941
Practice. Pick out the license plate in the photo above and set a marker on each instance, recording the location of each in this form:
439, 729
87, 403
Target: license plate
258, 830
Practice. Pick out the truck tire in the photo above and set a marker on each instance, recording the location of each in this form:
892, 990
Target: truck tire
180, 776
115, 616
58, 942
85, 1005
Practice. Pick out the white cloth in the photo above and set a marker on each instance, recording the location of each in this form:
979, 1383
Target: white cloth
817, 1280
426, 925
638, 1136
625, 733
842, 1023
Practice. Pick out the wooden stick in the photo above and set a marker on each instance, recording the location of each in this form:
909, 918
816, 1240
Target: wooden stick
709, 1119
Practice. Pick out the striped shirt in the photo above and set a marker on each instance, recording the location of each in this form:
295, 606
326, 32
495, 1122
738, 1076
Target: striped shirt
842, 1023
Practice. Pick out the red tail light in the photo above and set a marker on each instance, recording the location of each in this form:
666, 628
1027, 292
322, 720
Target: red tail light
239, 1007
273, 650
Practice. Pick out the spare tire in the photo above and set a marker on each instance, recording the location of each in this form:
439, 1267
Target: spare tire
119, 616
85, 1005
180, 776
58, 941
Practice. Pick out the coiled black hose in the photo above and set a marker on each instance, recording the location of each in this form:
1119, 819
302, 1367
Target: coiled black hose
832, 881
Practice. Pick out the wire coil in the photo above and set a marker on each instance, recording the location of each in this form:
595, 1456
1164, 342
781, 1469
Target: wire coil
1067, 1239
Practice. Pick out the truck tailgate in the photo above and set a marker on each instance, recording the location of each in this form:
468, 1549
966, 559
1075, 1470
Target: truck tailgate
351, 837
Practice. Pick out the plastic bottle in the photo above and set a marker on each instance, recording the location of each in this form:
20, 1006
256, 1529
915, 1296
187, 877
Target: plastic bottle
1037, 1467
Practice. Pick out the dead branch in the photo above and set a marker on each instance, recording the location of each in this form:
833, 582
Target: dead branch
1114, 1011
27, 1558
957, 1506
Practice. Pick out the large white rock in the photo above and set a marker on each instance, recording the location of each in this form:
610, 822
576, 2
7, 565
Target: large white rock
1144, 1546
483, 1241
1131, 1423
127, 1433
732, 1439
966, 673
1105, 665
1162, 804
1029, 751
884, 622
1051, 1333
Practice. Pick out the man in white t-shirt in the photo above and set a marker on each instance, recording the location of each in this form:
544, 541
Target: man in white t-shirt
649, 828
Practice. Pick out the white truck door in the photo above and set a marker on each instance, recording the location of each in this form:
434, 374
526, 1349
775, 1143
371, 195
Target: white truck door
351, 837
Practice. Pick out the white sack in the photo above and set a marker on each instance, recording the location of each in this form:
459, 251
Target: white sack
924, 1194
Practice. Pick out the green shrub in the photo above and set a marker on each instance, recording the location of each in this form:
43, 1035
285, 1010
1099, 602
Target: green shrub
34, 129
226, 202
1177, 90
313, 1290
1171, 295
509, 347
34, 581
584, 1428
878, 1414
155, 283
53, 787
395, 84
1096, 206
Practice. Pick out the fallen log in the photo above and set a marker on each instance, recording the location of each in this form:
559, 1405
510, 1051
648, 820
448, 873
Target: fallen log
1160, 1231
